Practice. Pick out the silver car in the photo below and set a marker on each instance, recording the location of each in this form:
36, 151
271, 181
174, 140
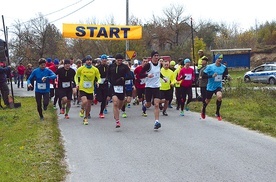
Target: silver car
265, 73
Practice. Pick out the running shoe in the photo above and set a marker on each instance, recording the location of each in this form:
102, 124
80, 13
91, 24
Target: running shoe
105, 111
128, 105
144, 108
101, 115
66, 116
89, 116
157, 125
124, 115
54, 107
187, 107
62, 111
45, 108
170, 106
118, 124
41, 118
85, 121
182, 113
165, 113
144, 114
203, 115
81, 113
219, 118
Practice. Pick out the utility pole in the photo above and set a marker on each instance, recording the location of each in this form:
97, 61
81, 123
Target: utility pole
127, 41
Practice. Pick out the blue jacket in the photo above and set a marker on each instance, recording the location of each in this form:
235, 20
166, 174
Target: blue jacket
38, 74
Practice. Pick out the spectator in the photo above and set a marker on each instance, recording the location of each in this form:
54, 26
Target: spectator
4, 71
21, 72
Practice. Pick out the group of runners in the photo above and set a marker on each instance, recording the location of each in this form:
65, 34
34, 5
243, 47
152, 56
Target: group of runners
151, 83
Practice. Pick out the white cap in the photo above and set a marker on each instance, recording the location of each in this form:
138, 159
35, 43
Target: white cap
136, 61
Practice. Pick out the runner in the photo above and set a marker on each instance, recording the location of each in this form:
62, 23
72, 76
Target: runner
214, 72
65, 79
151, 71
85, 83
116, 76
140, 83
167, 83
42, 89
129, 80
102, 91
187, 75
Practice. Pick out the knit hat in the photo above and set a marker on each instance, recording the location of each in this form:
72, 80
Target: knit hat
153, 53
66, 61
204, 58
187, 60
56, 61
49, 60
119, 56
88, 57
172, 63
218, 56
104, 56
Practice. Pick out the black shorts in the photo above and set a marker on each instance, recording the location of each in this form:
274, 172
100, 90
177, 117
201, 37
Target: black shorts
120, 96
140, 92
128, 93
209, 94
65, 93
87, 95
166, 94
152, 93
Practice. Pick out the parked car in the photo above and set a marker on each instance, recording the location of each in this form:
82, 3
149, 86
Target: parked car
265, 73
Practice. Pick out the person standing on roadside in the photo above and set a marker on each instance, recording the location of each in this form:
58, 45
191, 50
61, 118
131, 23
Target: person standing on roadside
28, 72
215, 73
66, 77
152, 72
199, 62
21, 72
4, 71
42, 75
203, 81
86, 76
116, 75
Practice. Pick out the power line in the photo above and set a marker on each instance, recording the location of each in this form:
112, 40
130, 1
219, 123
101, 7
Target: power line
62, 8
73, 12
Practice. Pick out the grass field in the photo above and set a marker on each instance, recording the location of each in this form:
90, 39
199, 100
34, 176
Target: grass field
31, 150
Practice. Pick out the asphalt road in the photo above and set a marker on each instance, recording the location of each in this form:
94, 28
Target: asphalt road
183, 149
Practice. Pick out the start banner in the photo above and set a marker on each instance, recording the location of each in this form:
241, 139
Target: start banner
102, 32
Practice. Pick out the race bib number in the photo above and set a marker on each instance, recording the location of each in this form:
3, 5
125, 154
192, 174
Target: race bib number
65, 84
218, 78
102, 80
87, 84
119, 89
188, 77
127, 82
51, 85
41, 86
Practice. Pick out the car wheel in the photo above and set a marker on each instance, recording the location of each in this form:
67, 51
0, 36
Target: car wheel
247, 79
272, 81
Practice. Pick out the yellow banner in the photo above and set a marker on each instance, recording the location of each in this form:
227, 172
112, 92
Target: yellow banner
102, 32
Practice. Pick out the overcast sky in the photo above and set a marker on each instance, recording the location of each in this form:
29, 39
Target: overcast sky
244, 14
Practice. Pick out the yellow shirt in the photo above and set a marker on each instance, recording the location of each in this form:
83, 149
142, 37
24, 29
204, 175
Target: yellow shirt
169, 76
176, 72
87, 77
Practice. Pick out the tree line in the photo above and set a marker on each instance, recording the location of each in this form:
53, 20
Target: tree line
170, 35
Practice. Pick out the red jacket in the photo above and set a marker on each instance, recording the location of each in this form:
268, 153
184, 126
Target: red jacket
21, 69
187, 75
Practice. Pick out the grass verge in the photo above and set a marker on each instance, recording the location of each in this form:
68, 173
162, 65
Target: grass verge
31, 150
249, 105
